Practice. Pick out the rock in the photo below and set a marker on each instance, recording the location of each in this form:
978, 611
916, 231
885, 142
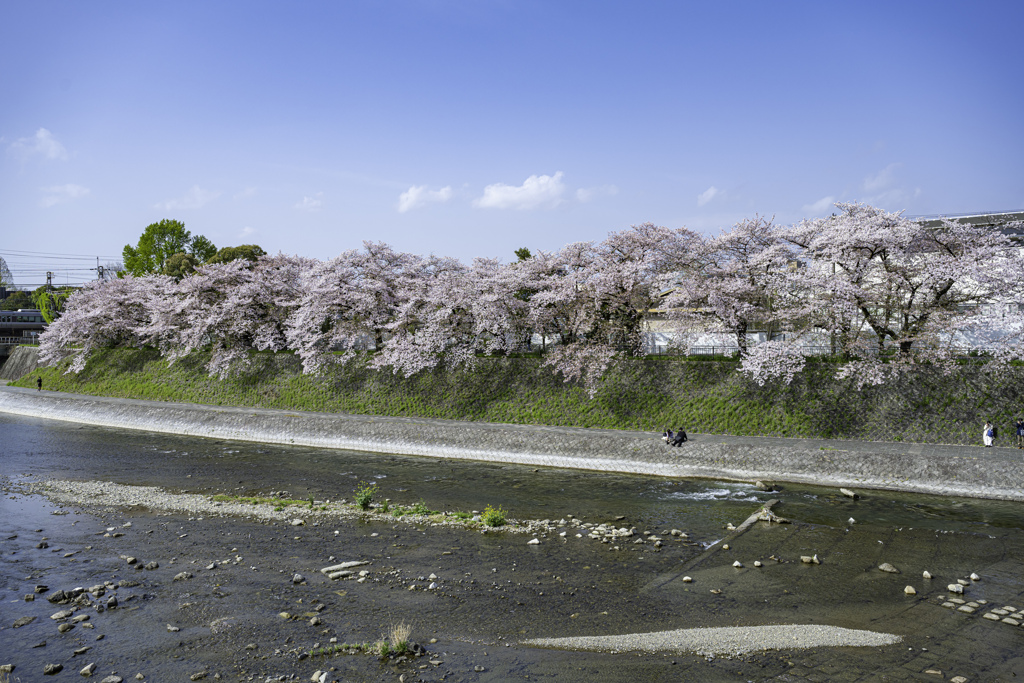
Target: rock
152, 565
298, 578
89, 669
80, 617
58, 597
24, 621
64, 628
963, 582
172, 628
341, 567
314, 621
990, 616
849, 494
6, 668
112, 602
41, 588
432, 577
910, 590
965, 608
958, 679
81, 650
975, 577
687, 579
1011, 621
139, 677
52, 669
212, 565
297, 522
479, 668
810, 559
955, 588
198, 676
315, 678
334, 576
131, 560
251, 646
926, 574
284, 615
738, 564
432, 586
533, 541
112, 679
724, 547
888, 568
182, 576
757, 563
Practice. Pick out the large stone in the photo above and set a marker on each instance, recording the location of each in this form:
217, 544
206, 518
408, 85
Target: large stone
955, 588
89, 669
24, 621
182, 576
52, 669
888, 568
344, 565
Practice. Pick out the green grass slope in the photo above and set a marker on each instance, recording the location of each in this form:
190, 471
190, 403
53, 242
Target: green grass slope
706, 397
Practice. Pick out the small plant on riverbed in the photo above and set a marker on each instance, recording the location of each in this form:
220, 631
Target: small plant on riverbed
494, 516
458, 514
418, 508
399, 637
364, 495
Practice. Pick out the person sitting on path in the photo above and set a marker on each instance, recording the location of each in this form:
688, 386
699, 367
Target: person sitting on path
680, 438
1020, 433
988, 434
667, 436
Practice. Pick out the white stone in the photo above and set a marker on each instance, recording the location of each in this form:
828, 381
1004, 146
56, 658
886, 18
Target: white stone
926, 574
975, 577
737, 564
910, 590
687, 579
955, 588
343, 565
757, 563
297, 522
533, 541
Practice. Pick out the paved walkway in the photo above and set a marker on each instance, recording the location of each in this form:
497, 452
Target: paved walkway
928, 468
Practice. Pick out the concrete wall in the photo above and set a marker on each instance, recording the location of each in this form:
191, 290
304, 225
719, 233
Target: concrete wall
23, 360
589, 449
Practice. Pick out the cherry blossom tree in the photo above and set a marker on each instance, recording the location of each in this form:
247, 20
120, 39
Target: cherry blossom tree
737, 283
597, 298
349, 302
230, 308
102, 314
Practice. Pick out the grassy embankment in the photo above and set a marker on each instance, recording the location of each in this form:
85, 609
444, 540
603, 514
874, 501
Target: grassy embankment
706, 397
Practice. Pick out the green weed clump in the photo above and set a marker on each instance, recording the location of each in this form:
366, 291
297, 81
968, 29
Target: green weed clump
364, 495
494, 516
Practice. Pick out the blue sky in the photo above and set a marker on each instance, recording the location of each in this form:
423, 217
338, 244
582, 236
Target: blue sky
474, 128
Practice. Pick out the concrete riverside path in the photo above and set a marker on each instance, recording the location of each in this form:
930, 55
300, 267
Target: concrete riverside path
970, 471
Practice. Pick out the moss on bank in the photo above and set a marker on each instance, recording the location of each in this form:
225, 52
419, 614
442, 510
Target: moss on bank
706, 397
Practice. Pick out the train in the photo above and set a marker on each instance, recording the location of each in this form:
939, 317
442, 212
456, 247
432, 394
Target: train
22, 326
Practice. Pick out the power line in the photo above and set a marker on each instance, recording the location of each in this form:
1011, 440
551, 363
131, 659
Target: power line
47, 253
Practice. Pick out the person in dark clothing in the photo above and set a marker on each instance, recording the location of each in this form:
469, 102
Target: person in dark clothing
39, 383
1020, 433
667, 436
680, 437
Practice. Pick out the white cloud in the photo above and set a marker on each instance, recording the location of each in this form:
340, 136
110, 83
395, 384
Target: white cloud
535, 191
707, 195
42, 143
586, 194
881, 180
247, 192
195, 198
311, 203
58, 194
247, 231
418, 195
819, 207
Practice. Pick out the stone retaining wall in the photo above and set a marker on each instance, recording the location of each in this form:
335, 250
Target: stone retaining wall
23, 360
588, 449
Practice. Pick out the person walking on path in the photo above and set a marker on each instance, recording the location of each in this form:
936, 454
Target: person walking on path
39, 383
988, 435
1020, 433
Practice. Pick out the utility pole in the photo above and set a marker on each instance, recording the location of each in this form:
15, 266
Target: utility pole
49, 281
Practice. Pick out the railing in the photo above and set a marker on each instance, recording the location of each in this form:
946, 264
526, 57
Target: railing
19, 340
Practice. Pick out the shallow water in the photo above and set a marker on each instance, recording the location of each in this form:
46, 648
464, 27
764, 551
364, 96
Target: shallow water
597, 591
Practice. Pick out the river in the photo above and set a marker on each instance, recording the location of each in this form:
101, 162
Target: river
495, 591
